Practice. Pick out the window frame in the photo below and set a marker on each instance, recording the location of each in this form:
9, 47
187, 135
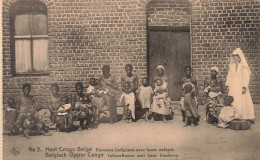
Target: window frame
19, 8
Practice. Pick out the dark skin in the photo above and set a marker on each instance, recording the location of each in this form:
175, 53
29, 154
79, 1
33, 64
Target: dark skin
160, 73
215, 89
55, 93
129, 73
112, 84
79, 91
92, 82
26, 92
188, 76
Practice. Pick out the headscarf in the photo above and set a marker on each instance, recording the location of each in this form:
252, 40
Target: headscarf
243, 61
160, 66
214, 68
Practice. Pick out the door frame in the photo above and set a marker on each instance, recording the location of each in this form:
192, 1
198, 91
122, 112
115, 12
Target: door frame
165, 28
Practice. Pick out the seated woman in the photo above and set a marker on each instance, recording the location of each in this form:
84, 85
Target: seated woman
218, 88
28, 120
228, 113
164, 108
214, 102
54, 105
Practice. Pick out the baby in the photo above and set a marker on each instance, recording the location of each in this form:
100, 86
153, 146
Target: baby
66, 106
91, 87
160, 94
211, 89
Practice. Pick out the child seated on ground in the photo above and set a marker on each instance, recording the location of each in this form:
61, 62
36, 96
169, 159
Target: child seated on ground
10, 115
161, 96
129, 98
91, 87
190, 106
82, 111
214, 102
228, 112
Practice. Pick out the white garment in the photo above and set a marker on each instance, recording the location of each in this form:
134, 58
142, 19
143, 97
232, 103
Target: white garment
237, 78
90, 89
64, 107
129, 100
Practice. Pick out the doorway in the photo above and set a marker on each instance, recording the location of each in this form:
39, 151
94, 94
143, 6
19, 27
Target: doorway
169, 47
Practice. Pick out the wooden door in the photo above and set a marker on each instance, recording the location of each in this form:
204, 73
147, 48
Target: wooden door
172, 50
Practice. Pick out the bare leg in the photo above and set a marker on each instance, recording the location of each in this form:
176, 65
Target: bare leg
153, 115
146, 115
164, 119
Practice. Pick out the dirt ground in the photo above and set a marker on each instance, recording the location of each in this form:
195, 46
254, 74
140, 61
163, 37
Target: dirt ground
141, 140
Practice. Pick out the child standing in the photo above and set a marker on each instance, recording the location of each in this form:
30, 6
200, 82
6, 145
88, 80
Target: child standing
145, 93
187, 79
190, 106
129, 97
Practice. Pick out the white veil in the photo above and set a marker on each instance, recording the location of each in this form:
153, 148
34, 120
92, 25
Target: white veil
243, 61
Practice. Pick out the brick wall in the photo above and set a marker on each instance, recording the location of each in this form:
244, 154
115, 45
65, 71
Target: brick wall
168, 13
219, 27
86, 34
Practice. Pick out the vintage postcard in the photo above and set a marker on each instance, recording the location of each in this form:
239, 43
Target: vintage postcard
130, 79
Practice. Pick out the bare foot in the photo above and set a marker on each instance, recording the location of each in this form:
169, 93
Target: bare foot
26, 134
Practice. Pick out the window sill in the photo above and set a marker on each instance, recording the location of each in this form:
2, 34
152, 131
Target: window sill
31, 74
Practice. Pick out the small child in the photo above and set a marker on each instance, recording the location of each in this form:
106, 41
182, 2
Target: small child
160, 95
82, 111
228, 112
10, 116
91, 87
211, 89
190, 106
145, 93
64, 111
129, 97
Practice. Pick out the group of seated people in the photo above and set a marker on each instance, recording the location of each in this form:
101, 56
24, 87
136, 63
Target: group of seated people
22, 114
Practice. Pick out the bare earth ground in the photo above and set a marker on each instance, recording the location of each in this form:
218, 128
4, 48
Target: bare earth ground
204, 142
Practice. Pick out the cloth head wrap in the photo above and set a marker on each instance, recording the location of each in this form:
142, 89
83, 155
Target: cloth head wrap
214, 68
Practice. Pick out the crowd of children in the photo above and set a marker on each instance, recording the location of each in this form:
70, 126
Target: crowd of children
21, 115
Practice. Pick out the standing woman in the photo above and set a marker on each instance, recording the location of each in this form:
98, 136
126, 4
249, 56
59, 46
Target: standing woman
109, 83
164, 108
237, 81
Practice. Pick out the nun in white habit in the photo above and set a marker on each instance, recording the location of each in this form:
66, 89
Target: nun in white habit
237, 81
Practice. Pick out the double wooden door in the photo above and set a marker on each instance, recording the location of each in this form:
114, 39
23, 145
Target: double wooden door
172, 50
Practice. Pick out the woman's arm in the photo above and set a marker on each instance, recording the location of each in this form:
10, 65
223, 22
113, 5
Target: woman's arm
196, 87
136, 82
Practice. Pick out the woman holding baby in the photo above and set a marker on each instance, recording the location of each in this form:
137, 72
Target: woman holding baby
161, 101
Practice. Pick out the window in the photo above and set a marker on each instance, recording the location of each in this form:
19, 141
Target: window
29, 37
